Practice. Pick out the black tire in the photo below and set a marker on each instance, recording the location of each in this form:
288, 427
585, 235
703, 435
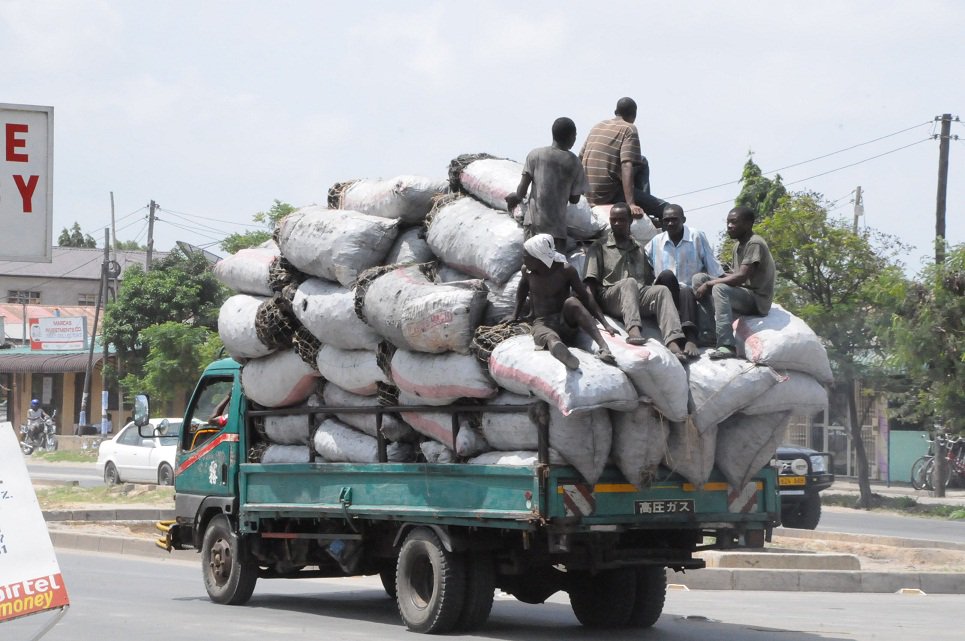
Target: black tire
165, 474
111, 475
51, 444
430, 583
26, 448
805, 515
605, 599
480, 586
229, 577
650, 597
388, 580
918, 479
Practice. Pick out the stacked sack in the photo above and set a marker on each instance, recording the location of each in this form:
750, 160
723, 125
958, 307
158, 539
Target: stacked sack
384, 296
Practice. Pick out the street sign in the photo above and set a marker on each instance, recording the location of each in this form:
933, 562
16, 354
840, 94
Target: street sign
26, 182
30, 581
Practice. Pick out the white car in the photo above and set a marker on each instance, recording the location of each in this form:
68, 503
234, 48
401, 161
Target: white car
130, 457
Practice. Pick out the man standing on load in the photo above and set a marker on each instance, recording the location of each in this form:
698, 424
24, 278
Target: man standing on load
615, 168
620, 279
677, 256
748, 290
549, 280
557, 178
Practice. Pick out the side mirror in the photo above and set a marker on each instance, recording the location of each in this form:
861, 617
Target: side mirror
142, 409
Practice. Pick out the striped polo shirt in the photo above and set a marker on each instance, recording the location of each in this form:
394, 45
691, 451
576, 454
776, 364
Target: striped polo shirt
609, 144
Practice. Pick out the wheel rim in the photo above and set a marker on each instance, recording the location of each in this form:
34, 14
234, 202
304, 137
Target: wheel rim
166, 477
220, 563
111, 475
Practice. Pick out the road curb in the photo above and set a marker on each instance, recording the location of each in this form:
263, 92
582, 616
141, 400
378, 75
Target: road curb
111, 514
870, 539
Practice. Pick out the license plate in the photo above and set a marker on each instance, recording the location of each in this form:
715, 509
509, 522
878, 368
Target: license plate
791, 480
685, 506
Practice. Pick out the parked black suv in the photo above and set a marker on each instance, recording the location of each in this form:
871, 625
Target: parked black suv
802, 474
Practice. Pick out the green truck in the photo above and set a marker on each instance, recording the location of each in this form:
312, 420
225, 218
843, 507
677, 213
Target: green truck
442, 537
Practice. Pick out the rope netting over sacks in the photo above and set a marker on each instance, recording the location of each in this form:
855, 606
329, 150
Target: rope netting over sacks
487, 337
282, 274
336, 191
275, 322
370, 275
458, 164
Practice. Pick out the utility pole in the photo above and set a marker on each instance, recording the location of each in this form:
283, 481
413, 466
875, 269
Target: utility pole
85, 398
945, 136
150, 236
858, 207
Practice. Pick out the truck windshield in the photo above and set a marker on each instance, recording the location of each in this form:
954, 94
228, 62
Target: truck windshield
208, 413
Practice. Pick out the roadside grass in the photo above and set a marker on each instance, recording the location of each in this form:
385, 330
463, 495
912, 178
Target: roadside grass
67, 456
69, 495
899, 504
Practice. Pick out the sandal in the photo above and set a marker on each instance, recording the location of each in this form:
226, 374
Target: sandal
636, 340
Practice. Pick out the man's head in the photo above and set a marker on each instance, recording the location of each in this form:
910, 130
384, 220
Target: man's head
620, 221
34, 404
541, 253
672, 219
740, 222
626, 109
564, 132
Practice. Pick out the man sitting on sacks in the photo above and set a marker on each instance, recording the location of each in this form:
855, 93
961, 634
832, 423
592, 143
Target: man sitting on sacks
677, 256
615, 168
548, 279
747, 290
557, 178
620, 279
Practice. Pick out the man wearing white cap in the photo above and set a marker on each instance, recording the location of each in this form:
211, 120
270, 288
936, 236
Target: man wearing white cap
561, 305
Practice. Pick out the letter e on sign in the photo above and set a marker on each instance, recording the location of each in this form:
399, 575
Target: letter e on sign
26, 182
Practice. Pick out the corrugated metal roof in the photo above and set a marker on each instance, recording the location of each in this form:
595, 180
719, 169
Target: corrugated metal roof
75, 262
45, 363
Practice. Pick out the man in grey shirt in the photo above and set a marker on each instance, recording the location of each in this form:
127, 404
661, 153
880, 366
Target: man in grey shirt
557, 178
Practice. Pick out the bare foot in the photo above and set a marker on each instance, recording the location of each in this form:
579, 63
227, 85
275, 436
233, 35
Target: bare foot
675, 350
605, 356
690, 349
562, 353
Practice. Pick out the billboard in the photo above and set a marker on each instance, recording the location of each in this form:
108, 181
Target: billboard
26, 182
58, 332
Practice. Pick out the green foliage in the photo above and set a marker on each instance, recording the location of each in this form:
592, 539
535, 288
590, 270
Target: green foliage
233, 242
177, 353
844, 285
75, 238
757, 192
130, 245
178, 288
928, 336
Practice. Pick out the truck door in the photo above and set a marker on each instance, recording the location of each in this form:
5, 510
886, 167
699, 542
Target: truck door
208, 457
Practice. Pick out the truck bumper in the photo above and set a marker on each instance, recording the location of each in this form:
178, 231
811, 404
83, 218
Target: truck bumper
172, 536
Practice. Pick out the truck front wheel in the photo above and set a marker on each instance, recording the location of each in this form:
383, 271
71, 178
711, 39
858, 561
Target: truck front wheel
805, 515
430, 583
229, 577
605, 599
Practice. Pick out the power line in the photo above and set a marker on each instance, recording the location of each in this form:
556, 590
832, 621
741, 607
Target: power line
804, 162
188, 219
216, 220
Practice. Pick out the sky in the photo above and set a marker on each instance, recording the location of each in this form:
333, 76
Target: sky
215, 109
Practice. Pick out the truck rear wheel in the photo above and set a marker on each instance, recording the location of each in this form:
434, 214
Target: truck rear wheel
605, 599
229, 577
480, 586
430, 583
650, 597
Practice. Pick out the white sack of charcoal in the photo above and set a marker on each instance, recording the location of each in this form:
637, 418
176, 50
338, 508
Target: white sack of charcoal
327, 310
798, 393
691, 451
746, 443
410, 247
280, 379
354, 370
247, 270
439, 379
413, 313
720, 388
476, 239
336, 442
407, 198
516, 365
335, 244
639, 443
393, 428
783, 341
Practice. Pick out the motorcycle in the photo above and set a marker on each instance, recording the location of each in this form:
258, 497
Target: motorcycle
39, 434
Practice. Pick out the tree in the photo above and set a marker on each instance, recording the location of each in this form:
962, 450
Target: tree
178, 288
844, 285
757, 192
75, 238
233, 242
177, 354
130, 245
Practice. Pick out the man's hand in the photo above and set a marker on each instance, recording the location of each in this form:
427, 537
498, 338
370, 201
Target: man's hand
636, 211
512, 200
608, 328
702, 291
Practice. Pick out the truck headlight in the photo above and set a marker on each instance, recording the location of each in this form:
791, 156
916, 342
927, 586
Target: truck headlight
799, 466
818, 463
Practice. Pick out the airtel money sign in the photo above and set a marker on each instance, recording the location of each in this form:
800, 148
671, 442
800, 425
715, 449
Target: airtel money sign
26, 182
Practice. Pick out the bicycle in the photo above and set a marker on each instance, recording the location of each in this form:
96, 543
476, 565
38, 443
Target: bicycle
923, 469
919, 479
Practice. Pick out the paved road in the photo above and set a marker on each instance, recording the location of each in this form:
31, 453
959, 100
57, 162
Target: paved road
116, 597
85, 474
842, 519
